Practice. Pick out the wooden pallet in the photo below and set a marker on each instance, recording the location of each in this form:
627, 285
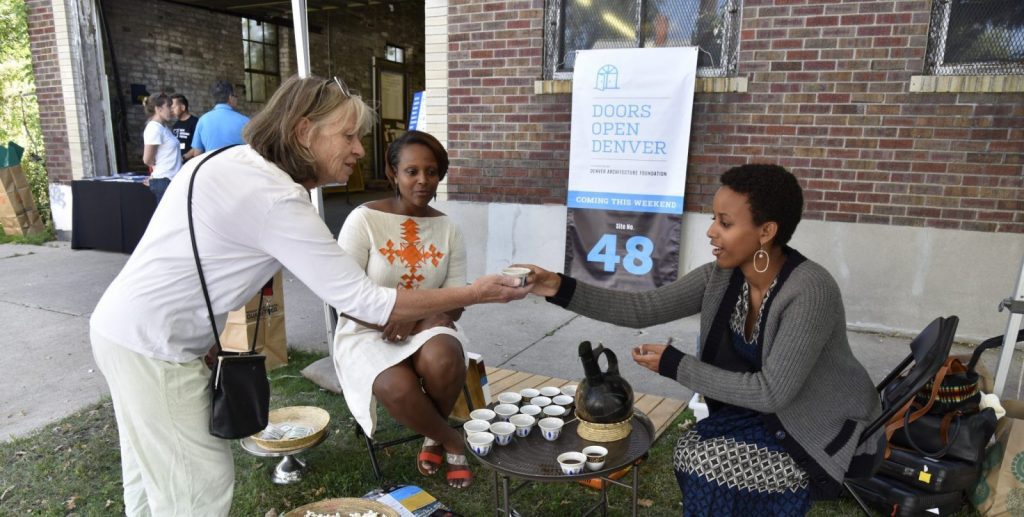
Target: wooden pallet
661, 410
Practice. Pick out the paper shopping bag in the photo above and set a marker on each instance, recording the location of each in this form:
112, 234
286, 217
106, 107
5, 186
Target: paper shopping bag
1000, 489
271, 340
476, 385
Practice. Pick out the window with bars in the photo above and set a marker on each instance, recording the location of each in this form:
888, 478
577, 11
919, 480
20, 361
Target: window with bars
710, 25
976, 37
262, 60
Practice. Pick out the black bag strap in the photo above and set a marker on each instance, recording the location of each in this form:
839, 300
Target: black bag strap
944, 438
199, 265
991, 342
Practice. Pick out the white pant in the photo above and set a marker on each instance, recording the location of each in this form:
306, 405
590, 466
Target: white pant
170, 463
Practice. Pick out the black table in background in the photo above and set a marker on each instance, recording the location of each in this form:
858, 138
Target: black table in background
109, 215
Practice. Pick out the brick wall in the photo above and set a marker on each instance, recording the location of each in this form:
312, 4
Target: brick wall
359, 33
506, 144
828, 98
46, 68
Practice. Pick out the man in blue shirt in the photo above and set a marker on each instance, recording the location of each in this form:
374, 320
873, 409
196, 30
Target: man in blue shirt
221, 126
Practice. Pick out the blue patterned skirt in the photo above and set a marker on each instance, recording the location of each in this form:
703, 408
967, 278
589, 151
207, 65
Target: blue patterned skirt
729, 464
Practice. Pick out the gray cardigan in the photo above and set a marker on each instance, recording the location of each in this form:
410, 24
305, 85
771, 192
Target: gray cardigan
809, 378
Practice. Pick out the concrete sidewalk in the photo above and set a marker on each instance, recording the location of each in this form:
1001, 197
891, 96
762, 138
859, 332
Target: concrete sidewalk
47, 371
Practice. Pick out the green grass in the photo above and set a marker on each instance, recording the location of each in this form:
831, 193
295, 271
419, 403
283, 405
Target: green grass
73, 466
36, 239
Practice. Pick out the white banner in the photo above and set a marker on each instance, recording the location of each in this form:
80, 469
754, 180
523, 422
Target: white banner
631, 111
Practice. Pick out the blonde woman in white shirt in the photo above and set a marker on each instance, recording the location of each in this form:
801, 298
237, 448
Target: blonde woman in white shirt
160, 147
150, 330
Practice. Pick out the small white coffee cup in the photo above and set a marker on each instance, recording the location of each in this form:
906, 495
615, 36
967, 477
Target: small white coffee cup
540, 401
503, 432
549, 391
571, 462
569, 390
562, 400
554, 410
520, 273
509, 397
476, 426
504, 411
482, 414
529, 393
481, 443
551, 427
530, 409
596, 456
524, 424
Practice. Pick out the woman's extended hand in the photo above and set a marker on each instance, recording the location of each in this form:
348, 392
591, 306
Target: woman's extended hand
542, 281
648, 355
498, 288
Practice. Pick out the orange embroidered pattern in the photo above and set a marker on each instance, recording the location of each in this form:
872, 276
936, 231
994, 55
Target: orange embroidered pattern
412, 253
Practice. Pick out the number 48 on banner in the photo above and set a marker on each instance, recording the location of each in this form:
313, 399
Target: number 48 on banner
638, 254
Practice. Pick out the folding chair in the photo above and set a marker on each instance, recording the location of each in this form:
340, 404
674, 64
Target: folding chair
928, 351
372, 446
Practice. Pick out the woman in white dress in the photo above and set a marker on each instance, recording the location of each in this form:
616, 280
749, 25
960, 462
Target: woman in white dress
416, 369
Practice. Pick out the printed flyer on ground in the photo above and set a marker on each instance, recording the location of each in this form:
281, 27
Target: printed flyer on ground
631, 112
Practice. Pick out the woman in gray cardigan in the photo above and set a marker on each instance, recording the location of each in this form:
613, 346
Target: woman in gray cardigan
788, 399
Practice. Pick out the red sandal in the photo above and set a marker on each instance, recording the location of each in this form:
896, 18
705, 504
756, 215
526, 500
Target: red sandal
429, 460
458, 474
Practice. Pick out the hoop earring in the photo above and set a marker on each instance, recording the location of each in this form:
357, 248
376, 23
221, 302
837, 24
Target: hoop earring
761, 253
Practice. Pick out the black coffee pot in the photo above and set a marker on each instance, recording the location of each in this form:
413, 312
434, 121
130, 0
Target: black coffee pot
602, 397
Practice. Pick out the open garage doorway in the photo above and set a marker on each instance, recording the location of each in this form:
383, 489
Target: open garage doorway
184, 46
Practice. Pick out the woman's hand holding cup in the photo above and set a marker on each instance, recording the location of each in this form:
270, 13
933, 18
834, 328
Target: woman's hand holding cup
499, 289
541, 281
649, 355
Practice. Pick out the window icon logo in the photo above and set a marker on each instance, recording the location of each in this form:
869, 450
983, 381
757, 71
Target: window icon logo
607, 78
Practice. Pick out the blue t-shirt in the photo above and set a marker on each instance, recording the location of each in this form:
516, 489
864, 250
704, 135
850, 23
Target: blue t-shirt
221, 127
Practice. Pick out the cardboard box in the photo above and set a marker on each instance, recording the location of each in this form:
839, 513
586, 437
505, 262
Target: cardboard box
18, 213
476, 385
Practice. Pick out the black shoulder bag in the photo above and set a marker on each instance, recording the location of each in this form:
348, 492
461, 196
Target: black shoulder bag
952, 425
241, 391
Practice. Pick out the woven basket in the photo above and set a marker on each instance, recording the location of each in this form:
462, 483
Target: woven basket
604, 432
343, 506
306, 416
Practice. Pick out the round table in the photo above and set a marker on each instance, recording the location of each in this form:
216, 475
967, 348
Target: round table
289, 469
533, 459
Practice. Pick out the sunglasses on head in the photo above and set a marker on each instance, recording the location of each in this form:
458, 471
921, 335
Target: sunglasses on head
341, 85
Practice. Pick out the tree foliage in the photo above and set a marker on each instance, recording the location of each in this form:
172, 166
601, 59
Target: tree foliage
19, 111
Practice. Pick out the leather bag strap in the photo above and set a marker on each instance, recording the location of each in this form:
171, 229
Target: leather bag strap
906, 415
199, 265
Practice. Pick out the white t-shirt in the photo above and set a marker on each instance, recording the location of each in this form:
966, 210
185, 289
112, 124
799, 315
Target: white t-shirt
250, 219
168, 155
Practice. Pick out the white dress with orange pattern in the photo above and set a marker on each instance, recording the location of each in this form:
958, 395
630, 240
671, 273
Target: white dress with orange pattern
395, 251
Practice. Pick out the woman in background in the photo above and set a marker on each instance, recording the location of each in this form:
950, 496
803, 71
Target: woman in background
416, 368
161, 150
